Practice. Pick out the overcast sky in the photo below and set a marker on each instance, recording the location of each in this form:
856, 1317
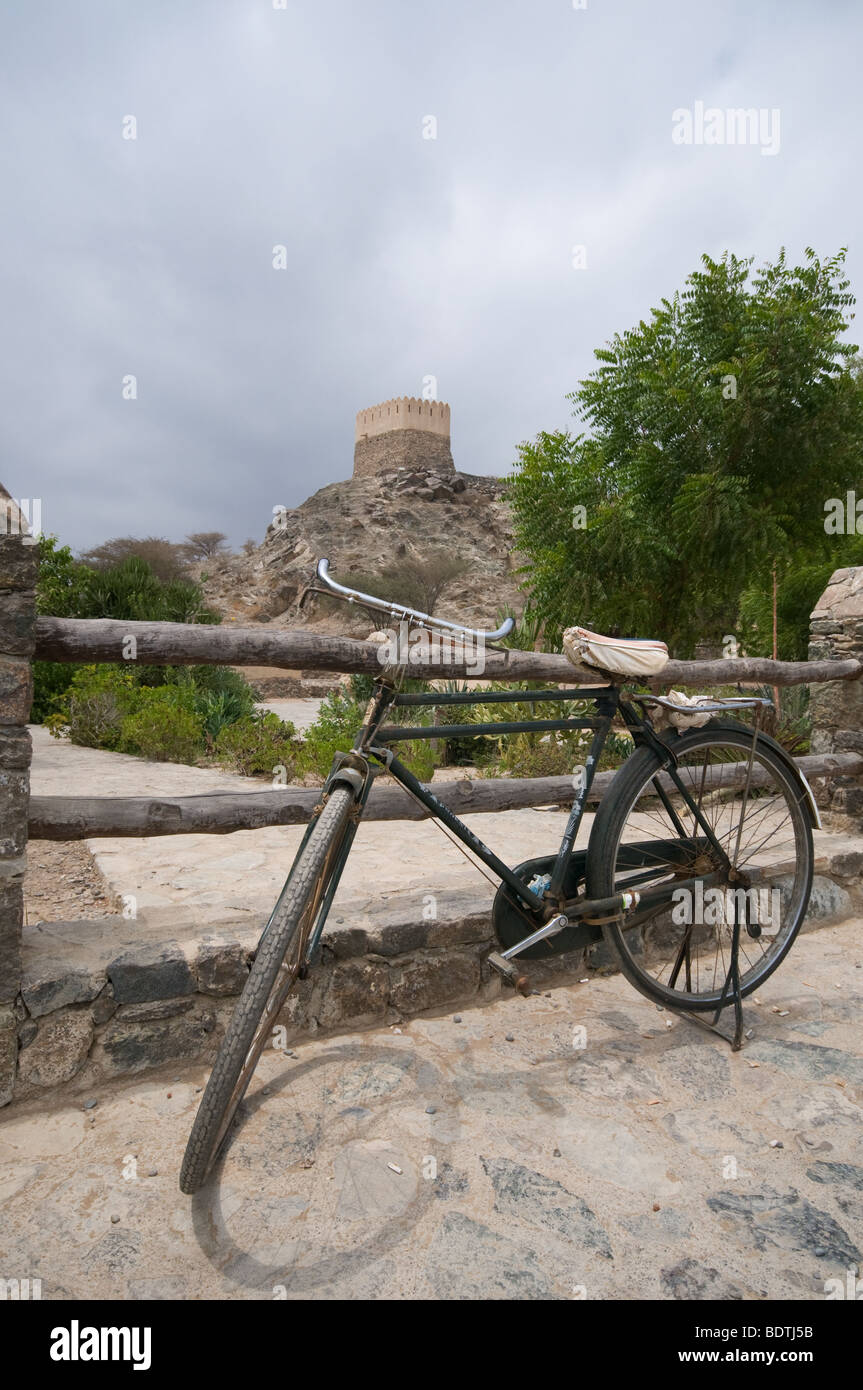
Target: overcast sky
407, 257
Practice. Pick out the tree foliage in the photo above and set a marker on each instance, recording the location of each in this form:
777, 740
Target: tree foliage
719, 427
168, 560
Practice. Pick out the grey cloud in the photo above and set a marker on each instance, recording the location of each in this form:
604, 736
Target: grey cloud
406, 256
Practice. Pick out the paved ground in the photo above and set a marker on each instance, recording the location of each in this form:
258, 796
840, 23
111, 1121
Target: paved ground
301, 712
448, 1160
204, 880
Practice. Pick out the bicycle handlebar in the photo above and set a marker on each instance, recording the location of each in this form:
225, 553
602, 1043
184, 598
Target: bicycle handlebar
397, 610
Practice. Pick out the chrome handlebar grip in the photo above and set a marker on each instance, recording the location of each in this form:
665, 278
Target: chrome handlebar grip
397, 610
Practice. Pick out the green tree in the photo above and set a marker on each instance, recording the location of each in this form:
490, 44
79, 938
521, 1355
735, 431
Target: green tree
167, 559
718, 429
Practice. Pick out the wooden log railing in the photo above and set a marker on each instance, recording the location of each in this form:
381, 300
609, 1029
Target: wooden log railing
200, 644
220, 813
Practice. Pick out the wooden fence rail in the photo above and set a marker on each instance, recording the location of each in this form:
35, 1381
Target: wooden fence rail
192, 644
220, 813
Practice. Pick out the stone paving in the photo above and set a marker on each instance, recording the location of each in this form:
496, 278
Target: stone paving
507, 1155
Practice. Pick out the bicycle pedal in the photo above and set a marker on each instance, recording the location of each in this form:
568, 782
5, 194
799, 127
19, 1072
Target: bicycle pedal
504, 967
509, 972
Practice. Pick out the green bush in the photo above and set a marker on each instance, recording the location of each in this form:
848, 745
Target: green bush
163, 726
220, 695
67, 588
525, 758
258, 742
339, 717
94, 706
334, 730
51, 682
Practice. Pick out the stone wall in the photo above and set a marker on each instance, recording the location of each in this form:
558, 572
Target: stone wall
402, 449
97, 1002
837, 706
18, 565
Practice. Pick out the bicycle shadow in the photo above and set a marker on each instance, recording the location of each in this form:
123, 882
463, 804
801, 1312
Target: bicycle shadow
379, 1201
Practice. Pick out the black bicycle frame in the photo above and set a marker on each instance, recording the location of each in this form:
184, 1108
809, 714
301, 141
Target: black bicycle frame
374, 738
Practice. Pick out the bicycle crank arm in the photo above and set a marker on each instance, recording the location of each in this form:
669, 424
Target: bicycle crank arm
551, 928
501, 961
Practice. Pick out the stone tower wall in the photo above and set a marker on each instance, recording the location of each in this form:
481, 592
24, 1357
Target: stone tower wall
402, 433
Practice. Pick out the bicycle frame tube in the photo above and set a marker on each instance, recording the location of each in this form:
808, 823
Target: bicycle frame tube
607, 703
447, 817
373, 729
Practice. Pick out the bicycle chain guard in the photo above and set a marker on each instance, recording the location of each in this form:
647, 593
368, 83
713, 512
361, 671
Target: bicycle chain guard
512, 922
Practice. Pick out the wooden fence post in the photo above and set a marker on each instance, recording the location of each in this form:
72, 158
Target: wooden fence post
19, 558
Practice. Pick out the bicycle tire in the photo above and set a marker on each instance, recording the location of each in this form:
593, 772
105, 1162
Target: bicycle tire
263, 994
606, 836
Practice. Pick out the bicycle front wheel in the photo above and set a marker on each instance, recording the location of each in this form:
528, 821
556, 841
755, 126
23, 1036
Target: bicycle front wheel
277, 964
758, 866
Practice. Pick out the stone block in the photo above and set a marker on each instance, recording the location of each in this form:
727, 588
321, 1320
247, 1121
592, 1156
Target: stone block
16, 690
14, 807
222, 968
104, 1006
59, 1049
11, 918
132, 1044
356, 989
153, 972
18, 622
51, 985
8, 1052
399, 938
430, 982
16, 748
19, 560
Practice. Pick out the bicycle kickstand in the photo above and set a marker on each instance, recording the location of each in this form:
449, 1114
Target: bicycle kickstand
732, 986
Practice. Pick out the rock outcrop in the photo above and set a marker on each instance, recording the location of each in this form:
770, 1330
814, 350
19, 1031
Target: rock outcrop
366, 525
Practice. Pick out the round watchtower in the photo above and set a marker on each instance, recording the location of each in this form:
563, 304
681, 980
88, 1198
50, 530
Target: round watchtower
402, 433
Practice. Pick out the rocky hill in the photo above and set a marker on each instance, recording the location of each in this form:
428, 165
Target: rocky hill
365, 525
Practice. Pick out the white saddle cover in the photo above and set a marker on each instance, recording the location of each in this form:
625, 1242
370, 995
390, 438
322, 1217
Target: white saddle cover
620, 656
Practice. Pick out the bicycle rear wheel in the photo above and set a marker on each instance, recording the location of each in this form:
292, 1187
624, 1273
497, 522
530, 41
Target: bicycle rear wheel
276, 966
679, 953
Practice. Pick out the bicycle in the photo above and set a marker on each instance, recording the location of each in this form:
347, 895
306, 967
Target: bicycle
668, 832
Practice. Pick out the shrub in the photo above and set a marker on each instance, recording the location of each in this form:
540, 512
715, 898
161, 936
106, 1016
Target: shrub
131, 589
333, 731
94, 706
258, 742
163, 726
220, 695
339, 717
525, 758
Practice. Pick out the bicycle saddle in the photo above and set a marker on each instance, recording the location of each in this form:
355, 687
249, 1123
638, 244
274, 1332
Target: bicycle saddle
620, 656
